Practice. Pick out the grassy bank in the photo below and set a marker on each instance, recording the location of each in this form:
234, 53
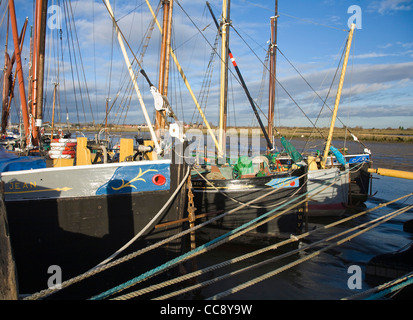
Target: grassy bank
383, 135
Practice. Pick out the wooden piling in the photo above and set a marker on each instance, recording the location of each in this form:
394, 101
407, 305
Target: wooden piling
8, 277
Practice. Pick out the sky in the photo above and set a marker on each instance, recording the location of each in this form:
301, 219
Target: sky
378, 84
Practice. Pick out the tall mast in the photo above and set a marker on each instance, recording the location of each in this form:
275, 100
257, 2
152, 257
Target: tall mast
244, 86
38, 68
164, 59
273, 61
19, 69
185, 79
224, 76
6, 81
340, 87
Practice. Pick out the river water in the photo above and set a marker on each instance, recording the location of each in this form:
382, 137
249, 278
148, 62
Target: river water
326, 275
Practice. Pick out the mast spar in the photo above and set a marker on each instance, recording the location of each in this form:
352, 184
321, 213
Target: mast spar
244, 86
185, 79
19, 69
272, 80
224, 76
39, 38
164, 60
340, 87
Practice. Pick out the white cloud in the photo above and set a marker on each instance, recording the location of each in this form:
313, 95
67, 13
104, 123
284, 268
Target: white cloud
371, 55
390, 6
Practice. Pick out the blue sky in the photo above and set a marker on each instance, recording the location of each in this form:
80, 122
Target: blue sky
311, 34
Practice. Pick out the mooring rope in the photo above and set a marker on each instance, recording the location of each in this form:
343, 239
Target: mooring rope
100, 267
262, 263
150, 224
208, 246
243, 203
244, 257
384, 289
128, 257
265, 276
169, 265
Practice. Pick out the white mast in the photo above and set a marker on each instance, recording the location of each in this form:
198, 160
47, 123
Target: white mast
224, 77
133, 77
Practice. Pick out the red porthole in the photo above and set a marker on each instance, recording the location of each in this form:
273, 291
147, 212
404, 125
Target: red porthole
159, 179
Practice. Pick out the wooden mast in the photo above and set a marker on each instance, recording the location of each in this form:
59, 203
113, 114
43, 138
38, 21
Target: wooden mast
164, 60
53, 110
19, 69
224, 76
340, 87
244, 86
272, 81
185, 79
8, 84
38, 68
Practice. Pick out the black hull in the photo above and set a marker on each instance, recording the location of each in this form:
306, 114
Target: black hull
237, 191
78, 233
360, 181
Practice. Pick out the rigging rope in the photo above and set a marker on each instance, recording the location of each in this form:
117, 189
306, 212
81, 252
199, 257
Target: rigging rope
294, 17
279, 83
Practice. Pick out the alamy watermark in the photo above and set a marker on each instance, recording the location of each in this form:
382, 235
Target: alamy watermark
355, 17
355, 280
55, 280
54, 21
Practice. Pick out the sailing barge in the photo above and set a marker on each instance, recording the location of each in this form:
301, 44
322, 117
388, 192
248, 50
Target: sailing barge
75, 213
216, 188
223, 188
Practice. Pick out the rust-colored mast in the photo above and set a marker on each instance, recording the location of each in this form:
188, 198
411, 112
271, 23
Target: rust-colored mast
9, 81
164, 59
19, 69
40, 75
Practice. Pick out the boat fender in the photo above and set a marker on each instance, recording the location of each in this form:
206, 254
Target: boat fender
144, 149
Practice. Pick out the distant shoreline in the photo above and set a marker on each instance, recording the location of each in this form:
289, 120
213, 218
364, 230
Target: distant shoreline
380, 135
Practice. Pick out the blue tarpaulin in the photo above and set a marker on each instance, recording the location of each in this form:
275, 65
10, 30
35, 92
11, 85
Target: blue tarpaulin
13, 162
